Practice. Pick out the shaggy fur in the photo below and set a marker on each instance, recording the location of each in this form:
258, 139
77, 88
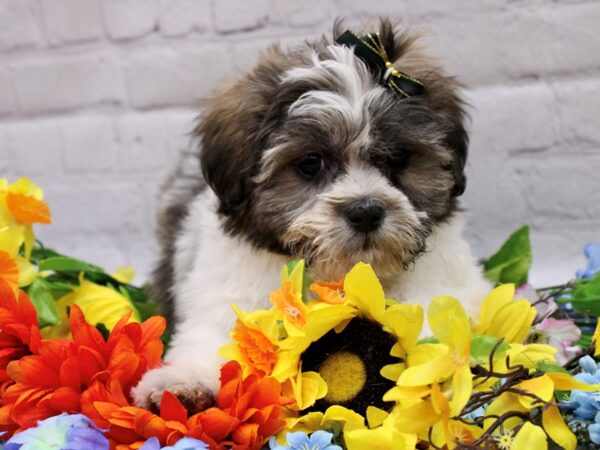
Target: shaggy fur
286, 151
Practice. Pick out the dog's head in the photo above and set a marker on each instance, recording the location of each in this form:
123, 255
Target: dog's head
311, 156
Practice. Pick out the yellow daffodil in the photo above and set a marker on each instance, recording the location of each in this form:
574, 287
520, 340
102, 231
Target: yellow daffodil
288, 299
100, 304
505, 318
595, 339
450, 324
21, 205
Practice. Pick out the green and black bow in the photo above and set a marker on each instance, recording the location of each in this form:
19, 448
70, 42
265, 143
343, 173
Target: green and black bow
371, 51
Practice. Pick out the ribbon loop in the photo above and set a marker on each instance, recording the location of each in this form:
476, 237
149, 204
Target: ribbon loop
371, 51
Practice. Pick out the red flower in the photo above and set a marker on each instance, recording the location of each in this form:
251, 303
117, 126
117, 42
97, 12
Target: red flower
19, 336
248, 412
57, 376
19, 330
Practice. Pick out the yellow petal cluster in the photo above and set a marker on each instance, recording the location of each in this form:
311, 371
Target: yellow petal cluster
435, 379
21, 205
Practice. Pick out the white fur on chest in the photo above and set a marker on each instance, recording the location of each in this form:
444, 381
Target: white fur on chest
214, 270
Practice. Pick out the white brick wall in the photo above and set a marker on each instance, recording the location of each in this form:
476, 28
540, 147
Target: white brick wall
96, 98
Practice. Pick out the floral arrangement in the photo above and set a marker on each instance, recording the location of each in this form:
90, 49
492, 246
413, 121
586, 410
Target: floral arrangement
330, 365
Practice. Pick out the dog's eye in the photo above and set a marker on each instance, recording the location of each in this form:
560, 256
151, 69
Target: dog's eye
311, 165
398, 160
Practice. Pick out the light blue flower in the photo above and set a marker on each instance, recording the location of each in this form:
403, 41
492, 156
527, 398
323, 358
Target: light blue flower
319, 440
592, 253
182, 444
63, 432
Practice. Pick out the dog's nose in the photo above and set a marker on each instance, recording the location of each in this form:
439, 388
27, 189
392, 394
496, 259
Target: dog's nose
364, 216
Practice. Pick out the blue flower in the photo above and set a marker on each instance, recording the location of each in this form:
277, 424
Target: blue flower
592, 253
64, 432
319, 440
585, 406
182, 444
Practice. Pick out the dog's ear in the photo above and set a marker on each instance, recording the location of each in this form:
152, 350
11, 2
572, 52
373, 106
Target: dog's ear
458, 141
232, 132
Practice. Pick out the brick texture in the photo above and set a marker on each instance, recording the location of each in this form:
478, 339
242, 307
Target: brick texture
98, 96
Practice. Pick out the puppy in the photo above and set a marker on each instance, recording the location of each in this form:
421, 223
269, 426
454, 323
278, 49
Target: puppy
310, 155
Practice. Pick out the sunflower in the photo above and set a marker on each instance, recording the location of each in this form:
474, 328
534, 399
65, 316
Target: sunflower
343, 348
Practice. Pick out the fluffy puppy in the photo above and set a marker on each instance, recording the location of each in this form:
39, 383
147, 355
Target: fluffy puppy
308, 156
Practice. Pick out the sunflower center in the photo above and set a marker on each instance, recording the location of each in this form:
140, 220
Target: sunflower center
345, 375
350, 363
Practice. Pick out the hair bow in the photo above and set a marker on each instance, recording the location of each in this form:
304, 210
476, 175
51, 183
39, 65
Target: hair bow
371, 51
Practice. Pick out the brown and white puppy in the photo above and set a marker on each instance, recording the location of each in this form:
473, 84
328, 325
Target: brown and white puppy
307, 156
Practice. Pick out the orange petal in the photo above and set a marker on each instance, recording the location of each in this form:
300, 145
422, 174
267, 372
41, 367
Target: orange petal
9, 274
27, 209
216, 423
171, 408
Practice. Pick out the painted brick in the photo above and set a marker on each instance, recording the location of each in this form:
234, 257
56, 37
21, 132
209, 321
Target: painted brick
513, 119
128, 19
7, 101
163, 78
562, 190
233, 15
35, 147
19, 24
359, 8
55, 84
89, 144
297, 14
72, 20
180, 17
579, 106
143, 142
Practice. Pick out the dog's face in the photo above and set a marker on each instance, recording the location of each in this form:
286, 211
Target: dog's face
310, 156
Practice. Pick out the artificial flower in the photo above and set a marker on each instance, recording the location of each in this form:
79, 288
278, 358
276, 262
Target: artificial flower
62, 432
21, 205
450, 324
319, 440
54, 378
561, 334
182, 444
592, 253
288, 298
100, 305
248, 411
503, 317
19, 332
543, 307
331, 292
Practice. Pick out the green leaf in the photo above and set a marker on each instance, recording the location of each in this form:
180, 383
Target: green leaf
512, 262
67, 264
428, 340
585, 341
44, 303
546, 367
482, 346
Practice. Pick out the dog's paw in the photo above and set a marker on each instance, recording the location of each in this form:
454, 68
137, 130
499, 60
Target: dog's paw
192, 393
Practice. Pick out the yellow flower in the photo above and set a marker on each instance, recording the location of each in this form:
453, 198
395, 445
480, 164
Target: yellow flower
595, 338
503, 317
450, 324
254, 336
100, 304
382, 433
21, 205
288, 299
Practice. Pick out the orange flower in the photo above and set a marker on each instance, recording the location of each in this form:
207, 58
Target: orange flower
19, 336
19, 330
9, 271
329, 292
56, 376
27, 209
248, 411
289, 304
256, 350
